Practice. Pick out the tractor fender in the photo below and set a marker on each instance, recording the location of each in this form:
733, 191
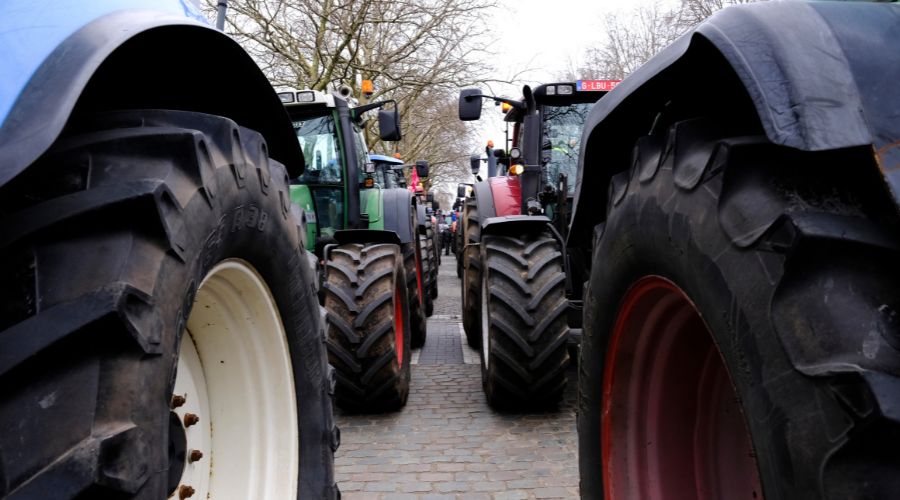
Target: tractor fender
813, 81
484, 197
506, 192
397, 213
514, 224
363, 236
117, 54
421, 217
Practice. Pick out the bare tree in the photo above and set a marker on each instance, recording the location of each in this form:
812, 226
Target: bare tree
631, 38
418, 52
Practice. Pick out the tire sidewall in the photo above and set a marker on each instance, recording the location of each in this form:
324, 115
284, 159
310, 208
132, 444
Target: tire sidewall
637, 241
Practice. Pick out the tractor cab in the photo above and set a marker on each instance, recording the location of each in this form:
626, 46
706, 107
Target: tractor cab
547, 123
329, 129
388, 172
553, 139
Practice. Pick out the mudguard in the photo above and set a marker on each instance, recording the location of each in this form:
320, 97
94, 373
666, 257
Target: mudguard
506, 192
363, 236
421, 217
105, 54
485, 199
514, 224
397, 214
815, 82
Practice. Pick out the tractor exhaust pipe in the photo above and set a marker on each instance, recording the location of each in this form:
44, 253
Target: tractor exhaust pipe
220, 18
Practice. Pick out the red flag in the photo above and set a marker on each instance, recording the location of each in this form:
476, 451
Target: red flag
413, 180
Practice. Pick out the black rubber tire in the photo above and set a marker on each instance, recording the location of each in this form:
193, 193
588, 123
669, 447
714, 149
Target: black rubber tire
418, 323
427, 265
458, 256
361, 287
524, 287
791, 259
433, 261
471, 280
105, 240
438, 248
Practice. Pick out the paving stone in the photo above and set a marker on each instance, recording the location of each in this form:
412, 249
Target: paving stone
447, 443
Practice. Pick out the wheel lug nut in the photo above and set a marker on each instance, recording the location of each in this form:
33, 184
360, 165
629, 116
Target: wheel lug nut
195, 455
190, 419
185, 491
177, 400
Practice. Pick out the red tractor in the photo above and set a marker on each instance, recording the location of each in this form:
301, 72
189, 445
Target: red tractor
517, 300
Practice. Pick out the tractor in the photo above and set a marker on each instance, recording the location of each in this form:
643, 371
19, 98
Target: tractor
736, 221
159, 317
366, 239
390, 173
519, 307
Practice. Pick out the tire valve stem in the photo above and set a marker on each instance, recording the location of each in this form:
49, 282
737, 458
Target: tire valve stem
195, 455
190, 419
185, 491
177, 400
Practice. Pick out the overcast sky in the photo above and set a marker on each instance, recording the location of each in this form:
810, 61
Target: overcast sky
537, 40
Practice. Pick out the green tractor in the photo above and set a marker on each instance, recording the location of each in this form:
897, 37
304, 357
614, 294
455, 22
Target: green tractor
390, 173
364, 237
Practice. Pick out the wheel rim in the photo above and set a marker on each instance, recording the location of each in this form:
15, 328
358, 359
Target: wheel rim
485, 323
673, 427
234, 373
398, 324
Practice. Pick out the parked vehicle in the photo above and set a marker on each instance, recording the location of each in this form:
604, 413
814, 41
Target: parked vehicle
153, 281
372, 281
737, 213
518, 305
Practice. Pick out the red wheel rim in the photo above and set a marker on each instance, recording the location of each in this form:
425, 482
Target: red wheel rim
398, 324
672, 425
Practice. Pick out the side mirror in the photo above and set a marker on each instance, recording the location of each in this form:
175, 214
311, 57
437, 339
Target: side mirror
389, 124
429, 198
475, 164
461, 191
422, 169
436, 205
469, 106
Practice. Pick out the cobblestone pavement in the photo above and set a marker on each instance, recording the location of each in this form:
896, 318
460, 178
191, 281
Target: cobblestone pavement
447, 443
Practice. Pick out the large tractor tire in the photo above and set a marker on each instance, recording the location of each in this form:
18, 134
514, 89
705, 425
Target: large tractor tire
428, 243
154, 288
741, 330
524, 333
415, 281
457, 253
368, 337
428, 265
471, 281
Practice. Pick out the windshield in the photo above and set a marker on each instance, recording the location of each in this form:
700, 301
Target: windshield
318, 140
562, 138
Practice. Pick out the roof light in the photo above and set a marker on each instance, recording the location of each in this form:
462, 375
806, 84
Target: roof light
286, 97
306, 96
516, 169
368, 88
551, 90
565, 90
